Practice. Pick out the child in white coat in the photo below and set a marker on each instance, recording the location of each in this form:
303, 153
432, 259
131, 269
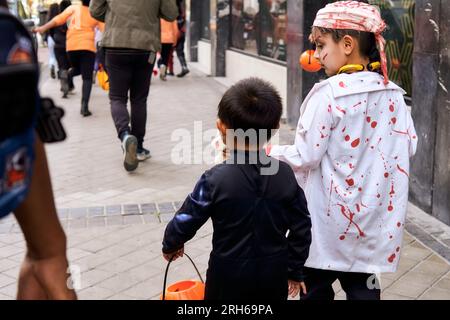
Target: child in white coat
351, 155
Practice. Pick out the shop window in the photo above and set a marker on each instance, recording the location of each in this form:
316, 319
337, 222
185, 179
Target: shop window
204, 19
259, 27
399, 16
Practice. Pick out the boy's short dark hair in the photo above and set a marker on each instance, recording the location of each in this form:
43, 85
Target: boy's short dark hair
251, 104
86, 2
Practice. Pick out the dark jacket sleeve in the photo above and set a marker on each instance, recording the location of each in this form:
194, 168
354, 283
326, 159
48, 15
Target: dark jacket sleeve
168, 10
97, 8
299, 238
194, 212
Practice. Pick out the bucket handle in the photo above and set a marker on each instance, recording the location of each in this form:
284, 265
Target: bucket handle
167, 271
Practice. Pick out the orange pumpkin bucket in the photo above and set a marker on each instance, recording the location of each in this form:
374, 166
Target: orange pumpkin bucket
185, 289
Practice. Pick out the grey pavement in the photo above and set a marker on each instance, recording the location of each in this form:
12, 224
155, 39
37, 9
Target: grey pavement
115, 220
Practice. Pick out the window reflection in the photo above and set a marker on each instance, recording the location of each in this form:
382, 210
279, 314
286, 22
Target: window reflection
259, 27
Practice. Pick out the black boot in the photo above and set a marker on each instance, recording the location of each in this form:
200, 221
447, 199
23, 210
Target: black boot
64, 78
184, 68
85, 109
86, 93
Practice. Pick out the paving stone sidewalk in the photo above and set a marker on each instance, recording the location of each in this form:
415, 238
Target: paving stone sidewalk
115, 220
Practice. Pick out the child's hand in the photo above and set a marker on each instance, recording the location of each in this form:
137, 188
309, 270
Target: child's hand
268, 149
175, 255
294, 288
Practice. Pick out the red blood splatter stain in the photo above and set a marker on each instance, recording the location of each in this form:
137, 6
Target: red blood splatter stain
359, 189
342, 84
391, 258
317, 145
342, 237
323, 128
402, 171
390, 237
378, 196
329, 108
398, 249
355, 143
358, 208
390, 207
386, 174
368, 119
401, 132
399, 224
358, 104
344, 129
391, 108
392, 190
341, 110
374, 124
347, 138
414, 137
350, 182
350, 165
350, 219
394, 120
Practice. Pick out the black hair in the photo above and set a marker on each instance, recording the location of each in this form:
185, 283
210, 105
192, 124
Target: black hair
86, 2
53, 11
3, 4
64, 4
251, 104
366, 40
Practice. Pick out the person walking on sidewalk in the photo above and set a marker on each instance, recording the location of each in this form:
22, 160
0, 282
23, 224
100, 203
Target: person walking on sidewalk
59, 35
53, 11
80, 45
351, 152
181, 21
253, 201
131, 41
169, 36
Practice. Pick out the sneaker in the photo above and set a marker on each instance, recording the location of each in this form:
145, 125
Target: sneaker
143, 154
129, 147
162, 72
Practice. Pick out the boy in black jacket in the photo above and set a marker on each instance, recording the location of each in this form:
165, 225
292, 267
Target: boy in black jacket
253, 200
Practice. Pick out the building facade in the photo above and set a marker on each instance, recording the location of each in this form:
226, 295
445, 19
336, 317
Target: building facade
235, 39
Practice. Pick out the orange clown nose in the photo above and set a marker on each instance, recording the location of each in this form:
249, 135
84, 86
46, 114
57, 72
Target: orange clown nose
308, 62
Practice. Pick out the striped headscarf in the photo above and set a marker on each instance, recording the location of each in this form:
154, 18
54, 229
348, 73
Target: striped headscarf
355, 15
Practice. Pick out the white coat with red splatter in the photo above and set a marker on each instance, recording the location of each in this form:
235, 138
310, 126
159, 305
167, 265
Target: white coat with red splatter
351, 155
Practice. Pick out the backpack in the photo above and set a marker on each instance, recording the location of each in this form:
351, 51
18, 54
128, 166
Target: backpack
22, 112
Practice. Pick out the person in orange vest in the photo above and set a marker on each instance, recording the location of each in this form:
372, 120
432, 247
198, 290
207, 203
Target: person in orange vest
80, 45
169, 38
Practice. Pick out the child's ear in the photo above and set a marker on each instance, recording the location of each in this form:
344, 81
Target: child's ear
349, 44
221, 127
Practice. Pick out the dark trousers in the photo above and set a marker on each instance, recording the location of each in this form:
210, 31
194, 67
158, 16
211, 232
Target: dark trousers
166, 49
180, 46
357, 286
82, 62
129, 71
62, 58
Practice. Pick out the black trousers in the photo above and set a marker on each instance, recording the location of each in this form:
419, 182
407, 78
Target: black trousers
357, 286
166, 49
180, 46
82, 62
62, 58
129, 71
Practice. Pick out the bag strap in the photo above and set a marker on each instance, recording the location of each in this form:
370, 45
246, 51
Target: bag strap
167, 271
